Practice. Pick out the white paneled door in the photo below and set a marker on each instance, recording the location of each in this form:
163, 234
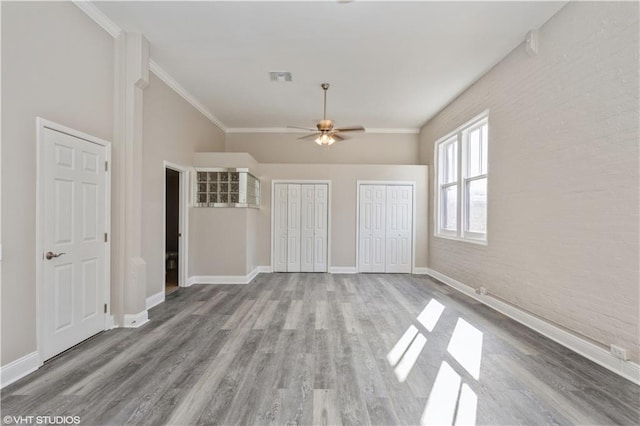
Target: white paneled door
320, 228
280, 231
73, 237
398, 229
385, 228
293, 228
372, 228
300, 222
307, 227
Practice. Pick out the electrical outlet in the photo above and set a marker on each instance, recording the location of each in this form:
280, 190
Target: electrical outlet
618, 352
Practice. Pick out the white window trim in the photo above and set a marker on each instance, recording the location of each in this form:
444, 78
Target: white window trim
460, 234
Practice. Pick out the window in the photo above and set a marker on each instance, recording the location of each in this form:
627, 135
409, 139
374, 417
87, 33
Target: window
461, 174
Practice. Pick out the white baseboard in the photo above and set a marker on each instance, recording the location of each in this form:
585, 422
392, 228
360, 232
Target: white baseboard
110, 323
597, 354
343, 270
19, 368
228, 279
419, 270
136, 320
155, 299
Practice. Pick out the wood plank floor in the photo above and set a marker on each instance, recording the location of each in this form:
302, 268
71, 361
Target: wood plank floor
324, 349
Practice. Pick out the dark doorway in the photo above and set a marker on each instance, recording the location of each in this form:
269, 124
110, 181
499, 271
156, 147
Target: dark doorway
172, 230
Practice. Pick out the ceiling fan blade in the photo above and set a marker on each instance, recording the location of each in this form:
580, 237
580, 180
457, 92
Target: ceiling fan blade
337, 137
350, 129
311, 136
302, 128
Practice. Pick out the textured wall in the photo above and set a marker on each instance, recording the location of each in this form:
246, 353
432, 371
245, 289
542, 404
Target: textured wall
563, 176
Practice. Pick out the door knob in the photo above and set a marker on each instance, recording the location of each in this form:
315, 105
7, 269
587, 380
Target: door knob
51, 255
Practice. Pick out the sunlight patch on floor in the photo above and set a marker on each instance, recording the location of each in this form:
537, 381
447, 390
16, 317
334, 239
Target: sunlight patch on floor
431, 314
410, 357
466, 347
401, 346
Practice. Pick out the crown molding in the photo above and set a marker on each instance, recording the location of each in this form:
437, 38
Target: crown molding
289, 130
114, 30
406, 131
172, 83
100, 18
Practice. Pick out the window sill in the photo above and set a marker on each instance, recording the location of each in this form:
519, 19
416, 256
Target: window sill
464, 240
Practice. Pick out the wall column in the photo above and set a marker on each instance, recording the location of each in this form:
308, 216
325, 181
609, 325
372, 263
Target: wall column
128, 276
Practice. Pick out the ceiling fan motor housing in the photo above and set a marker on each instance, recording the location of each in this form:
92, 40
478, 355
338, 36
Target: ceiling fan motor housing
325, 125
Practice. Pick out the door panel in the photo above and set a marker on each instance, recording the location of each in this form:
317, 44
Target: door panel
293, 227
74, 209
307, 222
399, 231
372, 225
320, 230
280, 231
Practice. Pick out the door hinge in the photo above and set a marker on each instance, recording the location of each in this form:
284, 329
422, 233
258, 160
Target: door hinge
106, 166
105, 308
106, 237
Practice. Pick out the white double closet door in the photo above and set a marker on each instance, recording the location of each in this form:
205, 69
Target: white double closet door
385, 228
300, 216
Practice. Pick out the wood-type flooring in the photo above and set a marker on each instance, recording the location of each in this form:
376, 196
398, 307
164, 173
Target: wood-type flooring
299, 349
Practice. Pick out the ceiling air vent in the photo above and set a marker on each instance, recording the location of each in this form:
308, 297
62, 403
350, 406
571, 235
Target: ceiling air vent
280, 76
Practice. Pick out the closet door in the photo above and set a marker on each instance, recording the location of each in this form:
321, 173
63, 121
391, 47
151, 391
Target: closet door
371, 244
280, 231
293, 228
399, 215
307, 227
320, 230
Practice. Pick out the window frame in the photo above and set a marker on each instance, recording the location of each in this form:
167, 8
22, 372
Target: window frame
462, 180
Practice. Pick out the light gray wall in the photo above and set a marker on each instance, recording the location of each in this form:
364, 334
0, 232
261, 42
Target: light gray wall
173, 131
218, 241
563, 223
361, 148
57, 64
343, 204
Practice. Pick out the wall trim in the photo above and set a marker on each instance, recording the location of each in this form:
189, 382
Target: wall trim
371, 130
99, 18
228, 279
155, 300
343, 270
420, 270
19, 368
136, 320
597, 354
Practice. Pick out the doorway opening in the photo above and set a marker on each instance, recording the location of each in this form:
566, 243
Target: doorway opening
172, 231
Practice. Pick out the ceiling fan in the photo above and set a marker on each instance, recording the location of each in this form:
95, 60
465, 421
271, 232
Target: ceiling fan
325, 133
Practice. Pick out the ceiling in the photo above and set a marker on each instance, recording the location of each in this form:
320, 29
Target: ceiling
391, 65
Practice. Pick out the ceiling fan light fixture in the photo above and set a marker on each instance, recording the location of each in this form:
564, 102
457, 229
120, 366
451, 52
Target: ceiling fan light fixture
325, 140
326, 134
